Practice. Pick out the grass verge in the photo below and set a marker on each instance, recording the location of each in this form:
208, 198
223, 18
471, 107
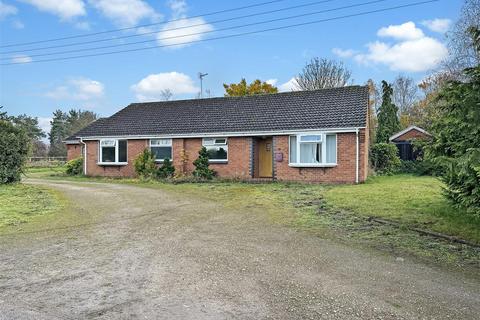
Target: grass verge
21, 203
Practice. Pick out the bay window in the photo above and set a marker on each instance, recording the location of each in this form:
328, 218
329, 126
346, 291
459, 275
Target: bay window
318, 149
113, 151
161, 148
217, 149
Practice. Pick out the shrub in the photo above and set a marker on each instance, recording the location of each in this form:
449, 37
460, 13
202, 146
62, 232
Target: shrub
420, 167
201, 164
14, 148
384, 158
74, 167
167, 170
145, 165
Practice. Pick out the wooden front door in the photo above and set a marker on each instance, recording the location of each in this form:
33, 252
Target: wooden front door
265, 158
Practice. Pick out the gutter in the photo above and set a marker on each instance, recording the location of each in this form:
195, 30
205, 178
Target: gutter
84, 157
357, 156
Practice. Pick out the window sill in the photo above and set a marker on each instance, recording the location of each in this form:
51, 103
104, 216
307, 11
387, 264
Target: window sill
218, 161
113, 164
312, 165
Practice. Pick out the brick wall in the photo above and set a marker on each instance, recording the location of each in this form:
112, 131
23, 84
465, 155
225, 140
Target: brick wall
74, 151
185, 151
345, 170
238, 165
410, 135
134, 148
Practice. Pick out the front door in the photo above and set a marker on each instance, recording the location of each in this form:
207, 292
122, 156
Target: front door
265, 158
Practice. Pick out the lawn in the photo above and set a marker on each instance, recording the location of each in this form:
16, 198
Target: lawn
20, 203
411, 200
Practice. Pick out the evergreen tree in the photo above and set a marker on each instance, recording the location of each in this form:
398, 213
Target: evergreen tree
456, 137
201, 165
58, 133
388, 123
14, 148
167, 170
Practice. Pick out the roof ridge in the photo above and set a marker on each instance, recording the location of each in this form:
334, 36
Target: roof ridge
251, 96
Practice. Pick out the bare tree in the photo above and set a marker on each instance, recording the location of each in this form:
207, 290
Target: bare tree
323, 73
460, 41
166, 94
405, 93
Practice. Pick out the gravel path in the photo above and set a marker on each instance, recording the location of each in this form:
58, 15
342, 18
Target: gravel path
149, 254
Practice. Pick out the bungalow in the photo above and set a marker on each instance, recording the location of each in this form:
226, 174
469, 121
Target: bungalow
312, 136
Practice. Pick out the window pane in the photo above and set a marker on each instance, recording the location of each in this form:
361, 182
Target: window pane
293, 149
161, 142
208, 141
108, 154
310, 153
332, 148
122, 151
162, 153
108, 143
217, 153
221, 141
311, 138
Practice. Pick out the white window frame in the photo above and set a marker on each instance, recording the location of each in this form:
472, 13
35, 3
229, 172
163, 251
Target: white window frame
169, 144
323, 141
100, 153
216, 142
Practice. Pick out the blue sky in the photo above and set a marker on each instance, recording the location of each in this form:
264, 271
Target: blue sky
380, 46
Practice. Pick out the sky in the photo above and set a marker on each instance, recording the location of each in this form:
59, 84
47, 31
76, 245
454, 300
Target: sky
379, 46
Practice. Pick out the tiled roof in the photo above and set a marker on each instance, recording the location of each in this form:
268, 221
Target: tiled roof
344, 107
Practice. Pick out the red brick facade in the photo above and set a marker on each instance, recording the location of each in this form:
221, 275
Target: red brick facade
242, 160
74, 151
411, 135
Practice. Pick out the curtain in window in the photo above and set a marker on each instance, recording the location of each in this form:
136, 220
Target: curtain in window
331, 148
310, 153
293, 149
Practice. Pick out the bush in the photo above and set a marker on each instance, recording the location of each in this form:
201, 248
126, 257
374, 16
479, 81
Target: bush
384, 158
201, 164
420, 168
14, 148
167, 170
74, 167
145, 165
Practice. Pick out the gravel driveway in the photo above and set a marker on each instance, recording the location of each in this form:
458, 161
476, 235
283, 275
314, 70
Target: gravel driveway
148, 254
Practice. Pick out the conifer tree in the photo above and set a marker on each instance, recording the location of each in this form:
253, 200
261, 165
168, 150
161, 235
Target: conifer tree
388, 123
201, 165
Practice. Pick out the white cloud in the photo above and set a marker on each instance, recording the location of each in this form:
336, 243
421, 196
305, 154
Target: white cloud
411, 56
410, 51
178, 7
151, 87
272, 82
186, 31
290, 85
78, 89
343, 53
438, 25
17, 24
44, 124
125, 13
65, 9
21, 59
7, 10
406, 31
83, 25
